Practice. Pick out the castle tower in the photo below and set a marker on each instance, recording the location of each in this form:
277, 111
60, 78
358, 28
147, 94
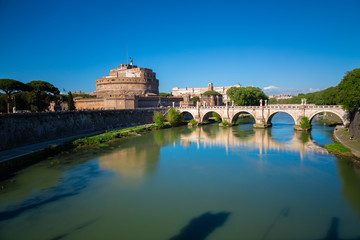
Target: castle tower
210, 87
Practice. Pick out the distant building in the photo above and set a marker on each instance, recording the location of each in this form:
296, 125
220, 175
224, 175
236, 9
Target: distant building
126, 87
284, 96
192, 92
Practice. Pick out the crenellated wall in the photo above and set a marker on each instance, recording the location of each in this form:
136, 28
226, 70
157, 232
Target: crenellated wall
28, 128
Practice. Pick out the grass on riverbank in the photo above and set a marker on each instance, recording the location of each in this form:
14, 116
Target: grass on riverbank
337, 147
114, 135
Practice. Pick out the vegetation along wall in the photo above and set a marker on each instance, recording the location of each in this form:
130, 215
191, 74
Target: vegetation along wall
27, 128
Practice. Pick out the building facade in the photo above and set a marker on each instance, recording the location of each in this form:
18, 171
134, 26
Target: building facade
126, 87
128, 80
192, 92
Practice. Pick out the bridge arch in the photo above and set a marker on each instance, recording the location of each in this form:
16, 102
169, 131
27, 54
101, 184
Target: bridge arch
329, 111
268, 121
208, 114
237, 114
186, 115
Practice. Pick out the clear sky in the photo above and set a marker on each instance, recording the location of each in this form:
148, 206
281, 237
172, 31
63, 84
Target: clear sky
287, 44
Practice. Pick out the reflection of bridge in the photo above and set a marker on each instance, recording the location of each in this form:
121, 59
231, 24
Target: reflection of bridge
264, 114
259, 139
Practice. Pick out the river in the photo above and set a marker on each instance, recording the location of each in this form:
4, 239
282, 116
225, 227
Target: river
190, 183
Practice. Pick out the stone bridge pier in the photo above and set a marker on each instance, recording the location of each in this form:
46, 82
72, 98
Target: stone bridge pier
263, 114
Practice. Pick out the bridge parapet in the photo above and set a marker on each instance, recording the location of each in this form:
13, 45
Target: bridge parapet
264, 114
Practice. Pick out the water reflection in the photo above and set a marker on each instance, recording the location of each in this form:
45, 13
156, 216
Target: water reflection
134, 159
245, 136
351, 183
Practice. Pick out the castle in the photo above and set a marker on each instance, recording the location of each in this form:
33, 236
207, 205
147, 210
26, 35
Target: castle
126, 87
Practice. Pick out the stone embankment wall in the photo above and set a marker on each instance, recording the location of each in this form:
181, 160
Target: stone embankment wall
28, 128
354, 128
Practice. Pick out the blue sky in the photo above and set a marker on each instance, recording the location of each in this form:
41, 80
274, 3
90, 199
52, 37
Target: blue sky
287, 44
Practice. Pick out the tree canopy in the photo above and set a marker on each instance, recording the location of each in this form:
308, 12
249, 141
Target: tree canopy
42, 93
42, 86
10, 86
248, 96
211, 93
346, 93
349, 90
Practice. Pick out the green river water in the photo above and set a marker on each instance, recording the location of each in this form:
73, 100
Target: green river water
190, 183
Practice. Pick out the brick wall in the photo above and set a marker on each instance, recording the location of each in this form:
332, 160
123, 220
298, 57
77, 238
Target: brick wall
28, 128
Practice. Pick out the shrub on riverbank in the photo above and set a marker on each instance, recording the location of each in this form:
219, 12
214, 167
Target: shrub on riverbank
174, 117
159, 120
224, 124
112, 135
305, 123
216, 117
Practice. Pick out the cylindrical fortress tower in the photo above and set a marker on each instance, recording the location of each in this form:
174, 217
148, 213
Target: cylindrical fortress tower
127, 80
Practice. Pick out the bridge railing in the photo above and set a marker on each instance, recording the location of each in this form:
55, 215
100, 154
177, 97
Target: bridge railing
271, 106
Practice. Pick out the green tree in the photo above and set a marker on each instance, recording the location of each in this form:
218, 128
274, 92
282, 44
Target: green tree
249, 96
272, 101
10, 86
42, 94
165, 94
174, 117
305, 123
349, 90
159, 120
216, 116
195, 99
211, 93
71, 104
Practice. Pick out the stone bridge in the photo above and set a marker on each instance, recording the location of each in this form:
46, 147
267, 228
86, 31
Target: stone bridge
264, 113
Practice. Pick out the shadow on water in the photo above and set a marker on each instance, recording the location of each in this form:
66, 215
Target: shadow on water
283, 213
79, 227
333, 234
201, 227
71, 186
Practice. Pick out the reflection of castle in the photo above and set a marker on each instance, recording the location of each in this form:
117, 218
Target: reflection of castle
261, 139
126, 87
133, 162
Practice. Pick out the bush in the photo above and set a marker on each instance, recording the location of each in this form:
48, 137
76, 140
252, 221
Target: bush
305, 123
193, 122
174, 117
224, 123
159, 120
217, 117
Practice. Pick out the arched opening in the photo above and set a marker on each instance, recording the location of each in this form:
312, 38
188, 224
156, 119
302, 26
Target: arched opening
186, 116
282, 129
243, 118
281, 118
211, 117
322, 126
326, 118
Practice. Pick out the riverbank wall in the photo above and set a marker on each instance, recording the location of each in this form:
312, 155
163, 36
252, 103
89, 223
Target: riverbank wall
354, 128
341, 135
28, 128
